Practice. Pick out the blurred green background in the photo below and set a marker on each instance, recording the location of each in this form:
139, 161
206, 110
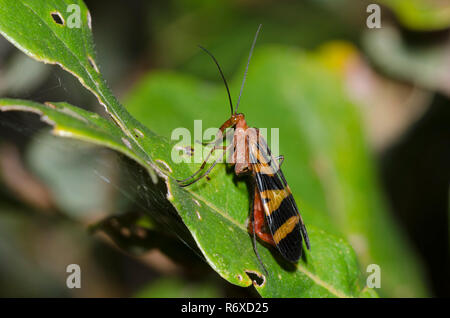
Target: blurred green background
381, 113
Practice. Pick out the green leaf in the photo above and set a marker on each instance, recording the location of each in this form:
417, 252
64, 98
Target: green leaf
215, 229
421, 15
30, 25
74, 122
215, 212
368, 293
328, 164
177, 288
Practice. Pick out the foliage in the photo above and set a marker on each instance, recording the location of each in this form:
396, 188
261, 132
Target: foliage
328, 165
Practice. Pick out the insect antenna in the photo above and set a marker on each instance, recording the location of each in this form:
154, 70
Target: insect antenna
221, 74
246, 68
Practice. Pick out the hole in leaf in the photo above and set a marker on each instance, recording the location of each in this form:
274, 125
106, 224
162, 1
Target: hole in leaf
257, 278
58, 18
138, 133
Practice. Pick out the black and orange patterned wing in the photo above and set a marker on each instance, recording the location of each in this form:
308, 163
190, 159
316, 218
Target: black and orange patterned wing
282, 215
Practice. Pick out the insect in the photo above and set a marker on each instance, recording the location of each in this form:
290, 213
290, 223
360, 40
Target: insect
275, 218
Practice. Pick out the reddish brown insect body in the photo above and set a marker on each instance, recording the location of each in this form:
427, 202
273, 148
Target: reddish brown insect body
259, 221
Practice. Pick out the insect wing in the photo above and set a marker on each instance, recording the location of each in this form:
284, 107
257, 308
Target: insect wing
282, 215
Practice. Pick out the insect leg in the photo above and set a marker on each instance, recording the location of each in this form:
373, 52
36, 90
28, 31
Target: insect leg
219, 137
203, 164
207, 171
253, 230
280, 160
255, 248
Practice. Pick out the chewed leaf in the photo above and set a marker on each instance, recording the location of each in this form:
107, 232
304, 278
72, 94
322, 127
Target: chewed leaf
321, 137
214, 211
215, 230
73, 122
222, 238
59, 32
